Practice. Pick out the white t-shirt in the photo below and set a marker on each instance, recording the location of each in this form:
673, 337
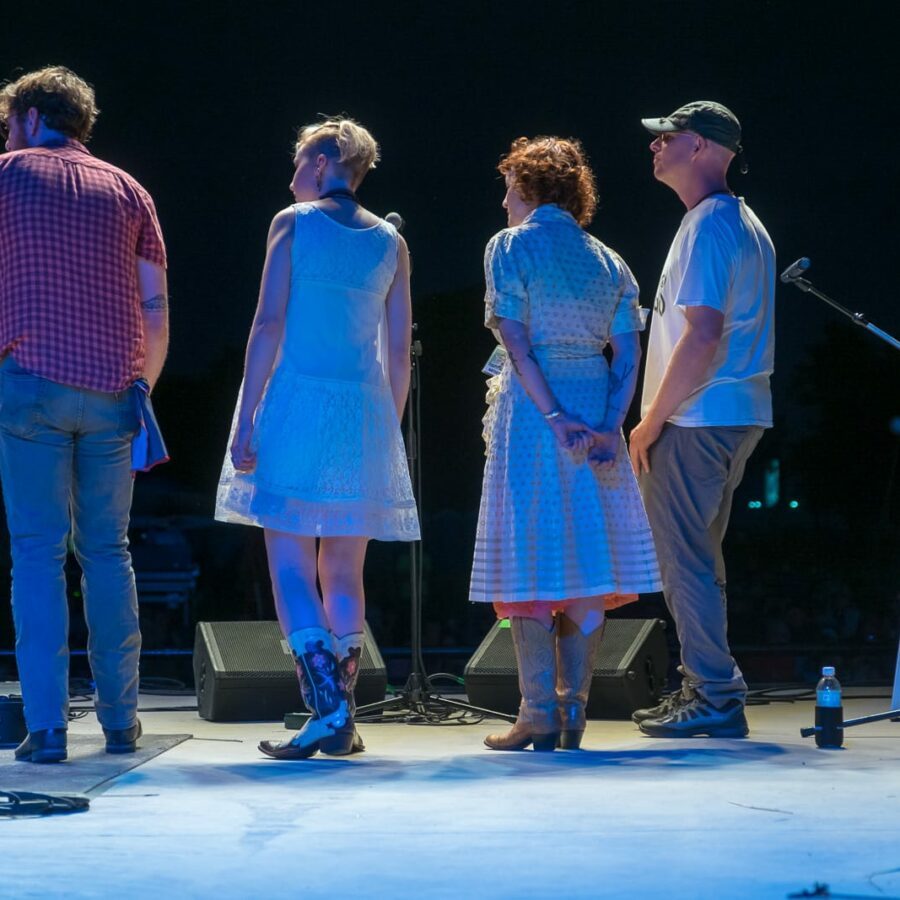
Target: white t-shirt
721, 257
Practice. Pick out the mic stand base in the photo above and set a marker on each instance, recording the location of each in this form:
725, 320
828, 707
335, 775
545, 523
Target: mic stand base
893, 715
419, 702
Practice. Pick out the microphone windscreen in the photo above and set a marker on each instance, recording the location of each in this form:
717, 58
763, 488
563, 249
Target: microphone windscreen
396, 220
795, 270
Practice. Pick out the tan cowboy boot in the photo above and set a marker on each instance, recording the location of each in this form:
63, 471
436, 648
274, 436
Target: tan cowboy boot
349, 650
538, 720
575, 652
323, 693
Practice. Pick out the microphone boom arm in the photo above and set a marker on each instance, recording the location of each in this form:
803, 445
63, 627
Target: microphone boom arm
857, 317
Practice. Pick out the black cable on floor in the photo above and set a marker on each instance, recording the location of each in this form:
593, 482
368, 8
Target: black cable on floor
27, 804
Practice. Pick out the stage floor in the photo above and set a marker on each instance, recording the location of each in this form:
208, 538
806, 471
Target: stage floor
427, 812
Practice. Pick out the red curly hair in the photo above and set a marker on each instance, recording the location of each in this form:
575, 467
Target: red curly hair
552, 170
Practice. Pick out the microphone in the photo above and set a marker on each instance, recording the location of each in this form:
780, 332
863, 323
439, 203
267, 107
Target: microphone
395, 219
795, 270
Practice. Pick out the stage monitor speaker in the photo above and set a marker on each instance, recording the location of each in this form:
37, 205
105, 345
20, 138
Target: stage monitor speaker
244, 672
12, 721
629, 669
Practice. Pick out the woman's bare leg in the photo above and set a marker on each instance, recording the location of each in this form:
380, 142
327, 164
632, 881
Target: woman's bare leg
341, 561
292, 568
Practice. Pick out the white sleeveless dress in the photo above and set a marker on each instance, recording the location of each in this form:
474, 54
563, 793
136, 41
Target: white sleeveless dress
330, 456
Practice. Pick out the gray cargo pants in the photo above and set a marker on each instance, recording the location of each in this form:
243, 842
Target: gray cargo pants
687, 494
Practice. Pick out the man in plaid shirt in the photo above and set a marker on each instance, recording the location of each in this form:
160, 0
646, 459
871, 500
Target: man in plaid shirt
83, 315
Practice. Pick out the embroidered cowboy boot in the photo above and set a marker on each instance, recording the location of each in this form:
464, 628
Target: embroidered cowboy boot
538, 720
323, 693
349, 653
575, 652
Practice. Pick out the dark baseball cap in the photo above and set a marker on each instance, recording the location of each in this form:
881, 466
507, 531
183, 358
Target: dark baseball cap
707, 118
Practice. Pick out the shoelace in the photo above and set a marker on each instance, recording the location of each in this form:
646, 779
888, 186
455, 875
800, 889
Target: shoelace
672, 701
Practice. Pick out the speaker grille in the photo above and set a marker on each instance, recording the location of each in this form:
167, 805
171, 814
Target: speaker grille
617, 647
497, 657
368, 660
252, 649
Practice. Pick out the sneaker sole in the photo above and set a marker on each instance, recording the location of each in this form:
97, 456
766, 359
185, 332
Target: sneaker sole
737, 731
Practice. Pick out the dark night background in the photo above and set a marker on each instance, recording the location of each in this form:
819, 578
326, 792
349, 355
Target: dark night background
200, 102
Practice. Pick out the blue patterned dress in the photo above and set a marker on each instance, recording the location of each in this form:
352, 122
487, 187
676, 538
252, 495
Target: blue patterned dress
550, 527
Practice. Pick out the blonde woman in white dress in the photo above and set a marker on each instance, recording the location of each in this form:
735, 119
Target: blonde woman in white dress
316, 456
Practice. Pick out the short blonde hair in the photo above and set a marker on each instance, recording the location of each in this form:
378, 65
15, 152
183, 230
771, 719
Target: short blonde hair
342, 139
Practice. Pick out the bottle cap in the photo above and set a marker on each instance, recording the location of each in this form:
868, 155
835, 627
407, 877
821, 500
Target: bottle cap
828, 671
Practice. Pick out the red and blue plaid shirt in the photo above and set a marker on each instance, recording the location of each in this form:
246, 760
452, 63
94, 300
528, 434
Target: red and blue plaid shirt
71, 228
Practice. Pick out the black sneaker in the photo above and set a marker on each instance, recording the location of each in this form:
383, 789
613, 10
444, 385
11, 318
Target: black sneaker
669, 702
699, 717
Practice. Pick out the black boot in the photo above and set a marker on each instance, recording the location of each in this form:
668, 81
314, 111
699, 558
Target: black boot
349, 654
323, 693
45, 746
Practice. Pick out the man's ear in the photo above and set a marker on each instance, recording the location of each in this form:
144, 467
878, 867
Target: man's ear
32, 121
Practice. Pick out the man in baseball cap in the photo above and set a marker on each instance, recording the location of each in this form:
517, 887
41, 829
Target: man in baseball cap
707, 118
706, 402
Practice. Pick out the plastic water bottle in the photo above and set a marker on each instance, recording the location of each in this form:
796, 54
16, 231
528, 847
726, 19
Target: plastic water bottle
829, 710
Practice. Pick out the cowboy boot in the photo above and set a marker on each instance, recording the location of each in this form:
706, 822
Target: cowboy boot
323, 693
349, 654
575, 653
538, 720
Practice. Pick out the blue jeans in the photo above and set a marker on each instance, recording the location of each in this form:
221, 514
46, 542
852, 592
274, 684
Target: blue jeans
65, 464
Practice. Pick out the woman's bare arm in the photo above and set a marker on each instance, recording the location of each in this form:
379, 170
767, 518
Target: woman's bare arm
265, 333
570, 431
399, 326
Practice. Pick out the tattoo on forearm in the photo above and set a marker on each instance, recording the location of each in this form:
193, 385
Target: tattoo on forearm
617, 381
617, 384
153, 304
514, 361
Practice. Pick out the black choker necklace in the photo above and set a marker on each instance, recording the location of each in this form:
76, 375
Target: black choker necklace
727, 191
346, 193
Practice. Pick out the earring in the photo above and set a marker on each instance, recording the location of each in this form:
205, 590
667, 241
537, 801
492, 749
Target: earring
318, 179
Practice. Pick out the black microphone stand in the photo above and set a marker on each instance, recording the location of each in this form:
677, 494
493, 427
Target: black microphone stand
418, 702
794, 275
